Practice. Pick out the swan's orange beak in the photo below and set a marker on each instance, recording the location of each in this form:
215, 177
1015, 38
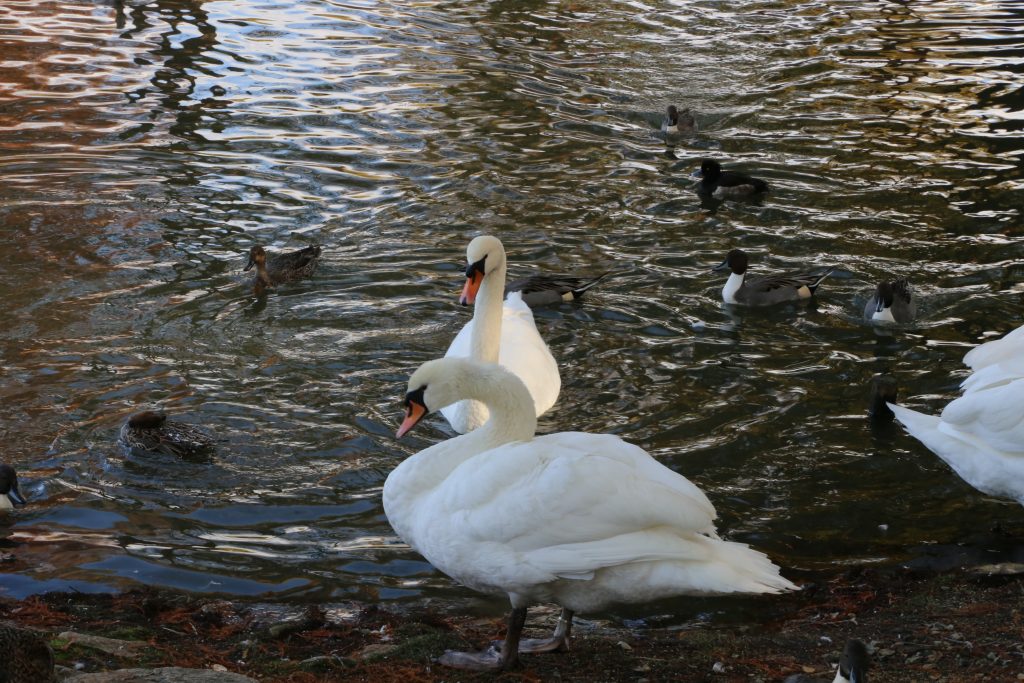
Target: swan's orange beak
414, 412
474, 276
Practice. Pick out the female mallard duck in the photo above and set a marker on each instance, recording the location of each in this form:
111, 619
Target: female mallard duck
581, 520
10, 495
893, 302
279, 268
720, 184
25, 656
152, 431
767, 289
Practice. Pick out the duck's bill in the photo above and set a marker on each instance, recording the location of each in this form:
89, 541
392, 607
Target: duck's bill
413, 414
249, 265
15, 497
721, 266
471, 287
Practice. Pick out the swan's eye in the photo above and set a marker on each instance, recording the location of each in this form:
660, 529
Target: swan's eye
477, 267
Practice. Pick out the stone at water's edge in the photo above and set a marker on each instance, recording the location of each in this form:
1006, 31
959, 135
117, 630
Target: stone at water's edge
167, 674
112, 646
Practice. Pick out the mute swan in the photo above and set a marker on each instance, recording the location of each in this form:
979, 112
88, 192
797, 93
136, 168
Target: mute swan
499, 333
892, 302
581, 520
10, 495
995, 362
764, 290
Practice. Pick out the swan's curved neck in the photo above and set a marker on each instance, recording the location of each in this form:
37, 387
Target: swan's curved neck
485, 340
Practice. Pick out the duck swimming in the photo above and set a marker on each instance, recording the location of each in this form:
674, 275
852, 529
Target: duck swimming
280, 268
152, 431
543, 290
767, 289
499, 333
893, 302
581, 520
10, 494
678, 121
722, 184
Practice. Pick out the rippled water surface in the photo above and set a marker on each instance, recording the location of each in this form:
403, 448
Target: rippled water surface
147, 145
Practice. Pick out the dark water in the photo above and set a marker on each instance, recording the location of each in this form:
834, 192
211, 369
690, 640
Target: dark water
147, 145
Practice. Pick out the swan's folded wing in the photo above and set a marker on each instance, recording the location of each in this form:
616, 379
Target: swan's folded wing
525, 353
1006, 348
994, 415
567, 488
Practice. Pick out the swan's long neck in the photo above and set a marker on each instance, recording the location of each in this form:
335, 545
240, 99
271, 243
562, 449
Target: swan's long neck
732, 285
485, 340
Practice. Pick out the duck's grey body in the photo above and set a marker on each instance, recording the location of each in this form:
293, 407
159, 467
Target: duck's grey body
544, 290
152, 431
25, 656
765, 290
676, 121
892, 302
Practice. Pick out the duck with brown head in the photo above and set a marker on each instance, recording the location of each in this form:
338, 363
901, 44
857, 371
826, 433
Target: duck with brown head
151, 431
279, 268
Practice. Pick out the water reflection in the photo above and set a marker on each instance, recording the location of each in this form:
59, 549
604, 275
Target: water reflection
147, 146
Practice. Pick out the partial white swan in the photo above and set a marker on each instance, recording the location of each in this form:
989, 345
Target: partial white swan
995, 362
581, 520
500, 332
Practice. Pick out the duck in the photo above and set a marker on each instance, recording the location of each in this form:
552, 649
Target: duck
722, 184
499, 332
578, 519
981, 433
678, 121
10, 494
853, 666
151, 431
768, 289
281, 268
25, 656
884, 391
892, 302
544, 290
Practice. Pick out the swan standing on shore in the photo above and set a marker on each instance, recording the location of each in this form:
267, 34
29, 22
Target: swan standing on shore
581, 520
500, 332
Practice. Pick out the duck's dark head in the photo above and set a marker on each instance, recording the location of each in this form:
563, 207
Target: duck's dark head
147, 419
883, 392
257, 257
673, 115
9, 485
736, 261
884, 295
853, 665
710, 170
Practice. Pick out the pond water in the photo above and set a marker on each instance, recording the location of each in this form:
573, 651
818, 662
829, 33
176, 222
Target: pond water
147, 145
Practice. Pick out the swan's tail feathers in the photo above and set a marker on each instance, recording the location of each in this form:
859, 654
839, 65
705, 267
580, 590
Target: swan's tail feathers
748, 570
924, 428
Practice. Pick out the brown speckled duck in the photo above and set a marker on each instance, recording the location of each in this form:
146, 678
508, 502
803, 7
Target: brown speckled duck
25, 656
279, 268
152, 431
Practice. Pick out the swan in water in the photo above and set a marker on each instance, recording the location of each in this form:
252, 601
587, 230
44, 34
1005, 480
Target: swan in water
581, 520
981, 433
499, 333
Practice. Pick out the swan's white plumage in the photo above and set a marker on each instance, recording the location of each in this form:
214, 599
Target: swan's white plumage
584, 520
981, 433
513, 334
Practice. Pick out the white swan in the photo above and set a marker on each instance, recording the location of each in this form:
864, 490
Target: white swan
981, 434
499, 333
582, 520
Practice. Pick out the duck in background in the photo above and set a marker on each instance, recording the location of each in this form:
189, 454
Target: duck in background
853, 666
280, 268
767, 289
544, 290
981, 433
10, 494
724, 184
677, 122
151, 431
581, 520
893, 302
499, 333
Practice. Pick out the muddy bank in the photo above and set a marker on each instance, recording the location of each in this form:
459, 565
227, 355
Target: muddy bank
920, 626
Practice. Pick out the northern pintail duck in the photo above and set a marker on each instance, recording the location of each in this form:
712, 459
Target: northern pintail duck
10, 494
981, 433
853, 666
280, 268
152, 431
768, 289
678, 121
722, 184
884, 391
542, 290
25, 656
573, 518
893, 302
